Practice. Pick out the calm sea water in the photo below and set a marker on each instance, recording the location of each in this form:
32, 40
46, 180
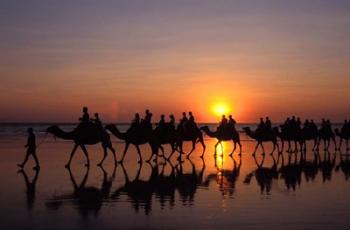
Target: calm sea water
218, 193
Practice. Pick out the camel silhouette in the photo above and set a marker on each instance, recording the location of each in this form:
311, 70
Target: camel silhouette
85, 134
142, 135
232, 135
192, 134
260, 137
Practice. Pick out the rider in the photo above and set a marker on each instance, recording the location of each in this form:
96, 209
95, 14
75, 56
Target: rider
183, 120
191, 122
97, 120
231, 122
261, 126
136, 121
222, 124
172, 121
268, 125
85, 118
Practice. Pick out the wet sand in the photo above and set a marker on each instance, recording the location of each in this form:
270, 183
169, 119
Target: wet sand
296, 194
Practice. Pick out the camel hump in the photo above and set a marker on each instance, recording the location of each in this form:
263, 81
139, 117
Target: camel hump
87, 127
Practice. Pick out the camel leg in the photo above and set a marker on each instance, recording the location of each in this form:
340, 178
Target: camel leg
86, 155
203, 145
234, 148
340, 143
193, 148
335, 143
256, 148
240, 148
173, 149
139, 153
104, 155
347, 144
125, 150
181, 151
71, 155
113, 151
274, 148
282, 147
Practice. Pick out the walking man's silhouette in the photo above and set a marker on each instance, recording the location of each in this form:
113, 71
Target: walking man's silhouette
31, 150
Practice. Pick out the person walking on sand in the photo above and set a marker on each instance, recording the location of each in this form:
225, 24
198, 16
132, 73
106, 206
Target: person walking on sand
31, 150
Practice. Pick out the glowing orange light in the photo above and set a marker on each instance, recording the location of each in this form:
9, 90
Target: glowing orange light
220, 108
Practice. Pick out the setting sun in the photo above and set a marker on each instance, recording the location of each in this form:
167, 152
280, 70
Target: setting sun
220, 109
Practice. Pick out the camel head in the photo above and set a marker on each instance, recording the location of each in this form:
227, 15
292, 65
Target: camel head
204, 128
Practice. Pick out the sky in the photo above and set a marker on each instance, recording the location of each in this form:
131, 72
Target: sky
258, 58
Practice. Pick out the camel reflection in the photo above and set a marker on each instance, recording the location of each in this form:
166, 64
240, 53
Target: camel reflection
263, 175
162, 186
30, 187
226, 178
344, 165
87, 199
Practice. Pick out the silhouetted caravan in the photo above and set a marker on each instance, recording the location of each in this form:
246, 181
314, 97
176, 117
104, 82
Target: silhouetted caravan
227, 134
262, 136
87, 199
30, 187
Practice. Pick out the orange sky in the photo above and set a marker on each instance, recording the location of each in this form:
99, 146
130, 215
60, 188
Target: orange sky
119, 58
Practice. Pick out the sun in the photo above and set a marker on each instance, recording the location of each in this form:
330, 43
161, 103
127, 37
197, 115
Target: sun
220, 108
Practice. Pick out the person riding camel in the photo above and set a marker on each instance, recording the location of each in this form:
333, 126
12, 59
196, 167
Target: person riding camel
191, 121
85, 118
172, 121
161, 124
231, 123
183, 121
135, 123
223, 124
97, 120
261, 127
268, 124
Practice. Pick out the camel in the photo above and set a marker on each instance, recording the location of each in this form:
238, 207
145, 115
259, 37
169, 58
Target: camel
137, 137
85, 134
263, 137
343, 136
232, 135
190, 134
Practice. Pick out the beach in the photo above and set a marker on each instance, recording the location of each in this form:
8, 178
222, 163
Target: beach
242, 192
